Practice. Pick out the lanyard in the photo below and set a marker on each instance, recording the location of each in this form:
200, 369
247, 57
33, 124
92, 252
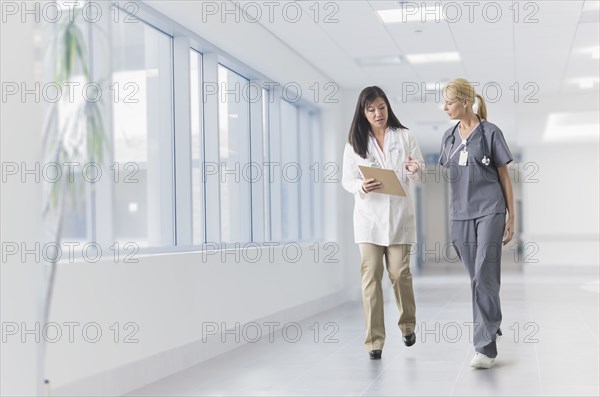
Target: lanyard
485, 161
453, 153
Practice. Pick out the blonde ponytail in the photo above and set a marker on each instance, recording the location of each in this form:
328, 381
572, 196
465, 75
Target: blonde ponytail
481, 107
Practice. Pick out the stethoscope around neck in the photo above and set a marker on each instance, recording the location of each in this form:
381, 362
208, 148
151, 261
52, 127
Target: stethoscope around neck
394, 143
485, 160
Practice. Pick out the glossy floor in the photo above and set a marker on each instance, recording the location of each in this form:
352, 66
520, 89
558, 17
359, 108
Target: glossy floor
550, 346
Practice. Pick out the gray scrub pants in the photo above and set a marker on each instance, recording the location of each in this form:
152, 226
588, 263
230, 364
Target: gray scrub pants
478, 243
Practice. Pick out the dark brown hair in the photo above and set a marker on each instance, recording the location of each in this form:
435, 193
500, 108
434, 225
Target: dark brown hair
359, 130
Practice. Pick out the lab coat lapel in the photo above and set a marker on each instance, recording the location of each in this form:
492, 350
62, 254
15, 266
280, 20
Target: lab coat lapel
395, 153
373, 157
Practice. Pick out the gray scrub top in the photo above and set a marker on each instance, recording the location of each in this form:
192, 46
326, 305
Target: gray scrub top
476, 189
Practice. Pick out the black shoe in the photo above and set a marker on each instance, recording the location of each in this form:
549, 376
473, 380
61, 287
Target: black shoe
409, 339
375, 354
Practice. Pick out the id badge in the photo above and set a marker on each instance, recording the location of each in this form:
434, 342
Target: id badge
462, 160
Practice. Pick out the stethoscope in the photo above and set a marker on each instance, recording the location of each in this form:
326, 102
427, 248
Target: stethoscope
394, 144
485, 160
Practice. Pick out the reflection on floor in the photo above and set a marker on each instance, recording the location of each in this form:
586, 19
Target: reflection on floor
550, 346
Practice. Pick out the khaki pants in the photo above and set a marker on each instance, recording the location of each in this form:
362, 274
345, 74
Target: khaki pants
397, 262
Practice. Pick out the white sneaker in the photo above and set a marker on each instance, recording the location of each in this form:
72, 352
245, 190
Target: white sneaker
482, 361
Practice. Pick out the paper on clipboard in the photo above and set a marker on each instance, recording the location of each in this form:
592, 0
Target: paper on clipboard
388, 178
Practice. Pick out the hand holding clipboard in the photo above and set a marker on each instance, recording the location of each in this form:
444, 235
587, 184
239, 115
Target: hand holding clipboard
389, 181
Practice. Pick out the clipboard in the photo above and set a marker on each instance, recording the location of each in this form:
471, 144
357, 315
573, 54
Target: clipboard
389, 181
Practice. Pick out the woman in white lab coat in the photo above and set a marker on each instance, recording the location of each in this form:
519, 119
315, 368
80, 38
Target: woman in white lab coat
384, 225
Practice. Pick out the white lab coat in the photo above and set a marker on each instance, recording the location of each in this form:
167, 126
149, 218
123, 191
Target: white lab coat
384, 219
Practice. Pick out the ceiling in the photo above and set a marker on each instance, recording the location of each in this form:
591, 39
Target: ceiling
532, 61
520, 57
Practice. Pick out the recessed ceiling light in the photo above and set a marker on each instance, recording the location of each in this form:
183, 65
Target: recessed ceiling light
380, 61
572, 127
594, 51
585, 82
434, 57
409, 12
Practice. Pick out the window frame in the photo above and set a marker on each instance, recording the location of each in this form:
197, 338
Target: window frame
265, 139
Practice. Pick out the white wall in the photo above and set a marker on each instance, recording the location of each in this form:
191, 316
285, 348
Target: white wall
561, 185
20, 210
561, 211
170, 298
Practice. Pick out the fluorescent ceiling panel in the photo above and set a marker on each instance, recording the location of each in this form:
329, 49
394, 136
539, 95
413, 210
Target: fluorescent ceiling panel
410, 12
380, 61
572, 127
594, 51
585, 82
434, 57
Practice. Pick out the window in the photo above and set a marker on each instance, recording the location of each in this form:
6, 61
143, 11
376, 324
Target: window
325, 173
307, 191
265, 177
234, 156
245, 170
291, 173
77, 225
142, 136
196, 131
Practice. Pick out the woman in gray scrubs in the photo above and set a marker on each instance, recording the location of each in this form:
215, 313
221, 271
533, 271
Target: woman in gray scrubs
475, 157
